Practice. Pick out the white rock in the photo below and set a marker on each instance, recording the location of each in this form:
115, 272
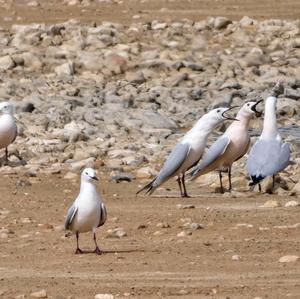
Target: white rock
270, 204
289, 259
104, 296
65, 69
236, 257
39, 294
6, 63
292, 203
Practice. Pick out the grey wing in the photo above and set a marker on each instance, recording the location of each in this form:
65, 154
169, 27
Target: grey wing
70, 216
213, 153
16, 133
268, 157
103, 214
173, 163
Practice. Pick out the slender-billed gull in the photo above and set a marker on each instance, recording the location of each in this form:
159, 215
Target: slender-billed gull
88, 211
188, 151
269, 154
8, 127
230, 147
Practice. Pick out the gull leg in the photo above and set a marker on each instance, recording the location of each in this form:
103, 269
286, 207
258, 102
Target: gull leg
184, 188
273, 181
259, 187
97, 249
221, 185
6, 156
179, 184
78, 250
229, 177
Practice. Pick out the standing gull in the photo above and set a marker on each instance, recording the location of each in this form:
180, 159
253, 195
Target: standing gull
230, 147
88, 211
8, 127
188, 151
269, 154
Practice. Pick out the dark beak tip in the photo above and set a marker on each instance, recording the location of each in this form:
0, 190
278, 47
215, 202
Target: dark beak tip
95, 178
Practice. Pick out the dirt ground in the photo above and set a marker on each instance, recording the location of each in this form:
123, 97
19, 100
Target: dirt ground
151, 261
127, 11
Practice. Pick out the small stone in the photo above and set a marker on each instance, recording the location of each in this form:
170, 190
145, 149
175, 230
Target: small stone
270, 204
289, 259
39, 294
221, 22
184, 234
116, 233
184, 207
236, 257
6, 63
70, 176
163, 225
104, 296
22, 296
292, 203
123, 177
158, 233
145, 173
192, 226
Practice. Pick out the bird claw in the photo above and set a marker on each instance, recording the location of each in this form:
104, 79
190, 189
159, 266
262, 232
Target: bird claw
97, 251
78, 251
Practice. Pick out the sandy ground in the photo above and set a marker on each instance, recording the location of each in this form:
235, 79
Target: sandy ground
127, 11
151, 261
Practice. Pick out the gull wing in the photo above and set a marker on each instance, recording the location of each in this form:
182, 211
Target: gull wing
70, 216
103, 214
267, 157
214, 152
176, 158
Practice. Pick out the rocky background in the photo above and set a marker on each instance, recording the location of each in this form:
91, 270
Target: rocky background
121, 96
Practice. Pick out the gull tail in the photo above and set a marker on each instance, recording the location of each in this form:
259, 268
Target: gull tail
150, 188
256, 179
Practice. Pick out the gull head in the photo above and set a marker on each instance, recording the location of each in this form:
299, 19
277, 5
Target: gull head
249, 109
219, 114
89, 175
6, 108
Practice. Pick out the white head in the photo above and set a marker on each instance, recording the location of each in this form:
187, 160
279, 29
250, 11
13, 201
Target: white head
219, 114
89, 175
248, 110
6, 108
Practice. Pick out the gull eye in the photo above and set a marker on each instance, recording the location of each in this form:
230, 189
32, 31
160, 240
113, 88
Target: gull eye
218, 110
248, 104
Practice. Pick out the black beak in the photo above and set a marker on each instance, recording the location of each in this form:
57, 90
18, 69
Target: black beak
94, 178
229, 118
253, 108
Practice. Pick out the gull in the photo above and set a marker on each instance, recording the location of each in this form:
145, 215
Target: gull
8, 127
87, 211
228, 148
188, 151
269, 154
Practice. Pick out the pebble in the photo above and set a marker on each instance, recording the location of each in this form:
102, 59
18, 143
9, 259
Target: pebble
292, 203
116, 233
236, 257
270, 204
39, 294
184, 234
289, 259
184, 207
104, 296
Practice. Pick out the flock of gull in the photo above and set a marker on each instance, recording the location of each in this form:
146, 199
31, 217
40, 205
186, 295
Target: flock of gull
268, 156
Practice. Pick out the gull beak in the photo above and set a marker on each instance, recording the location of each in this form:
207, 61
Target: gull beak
229, 118
94, 178
253, 108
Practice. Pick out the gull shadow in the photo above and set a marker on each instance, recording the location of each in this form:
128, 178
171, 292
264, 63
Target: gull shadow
110, 251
